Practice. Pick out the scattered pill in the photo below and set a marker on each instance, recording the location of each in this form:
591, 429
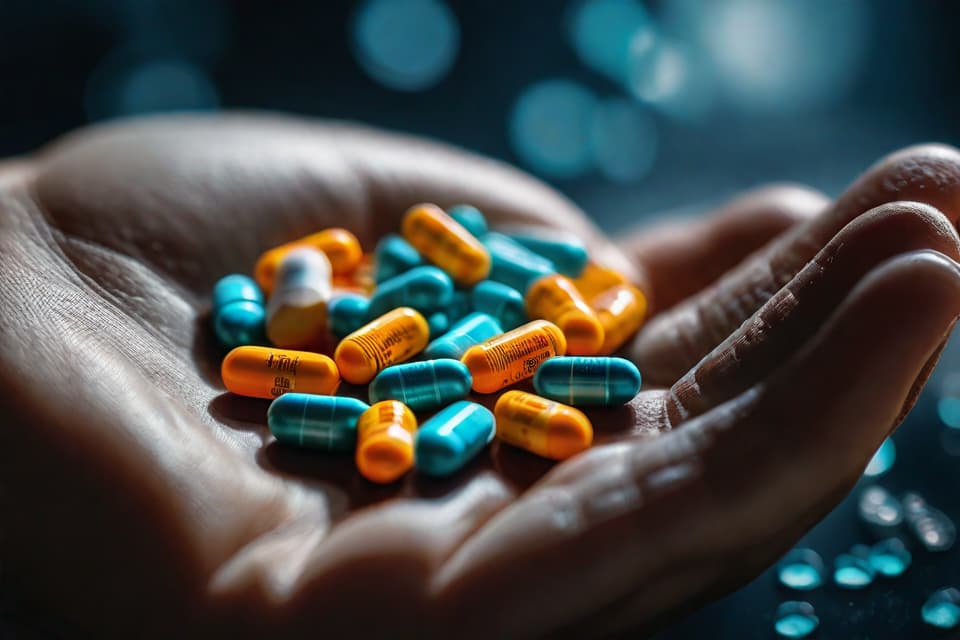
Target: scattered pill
459, 307
882, 461
890, 557
438, 324
942, 609
471, 330
390, 339
595, 279
339, 245
621, 310
442, 241
541, 426
316, 421
424, 385
501, 301
470, 218
348, 312
588, 381
801, 569
880, 511
297, 309
933, 528
385, 434
453, 437
238, 313
394, 256
555, 298
425, 289
853, 570
565, 250
795, 619
513, 264
513, 356
263, 372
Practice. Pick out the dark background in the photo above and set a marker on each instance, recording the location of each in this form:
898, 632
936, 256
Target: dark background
809, 91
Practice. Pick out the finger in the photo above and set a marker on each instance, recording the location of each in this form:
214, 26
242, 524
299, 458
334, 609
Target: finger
746, 478
681, 258
677, 339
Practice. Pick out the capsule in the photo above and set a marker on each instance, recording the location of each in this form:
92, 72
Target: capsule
501, 301
514, 265
394, 256
596, 279
459, 307
339, 245
385, 434
238, 313
297, 309
359, 281
263, 372
453, 437
470, 218
315, 421
442, 241
566, 251
424, 385
438, 323
621, 311
513, 356
422, 288
394, 337
541, 426
555, 298
471, 330
588, 381
348, 312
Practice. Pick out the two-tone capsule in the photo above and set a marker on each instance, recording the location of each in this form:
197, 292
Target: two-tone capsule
385, 434
393, 256
454, 436
390, 339
348, 312
513, 356
238, 313
444, 242
425, 289
263, 372
297, 309
621, 310
339, 245
588, 381
319, 422
565, 250
513, 264
501, 301
555, 298
424, 385
471, 330
541, 426
470, 218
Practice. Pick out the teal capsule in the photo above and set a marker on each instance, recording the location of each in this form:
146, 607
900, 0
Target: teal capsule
438, 323
348, 312
424, 385
238, 311
459, 307
588, 380
473, 329
449, 440
425, 289
513, 264
501, 301
470, 218
566, 251
394, 256
319, 422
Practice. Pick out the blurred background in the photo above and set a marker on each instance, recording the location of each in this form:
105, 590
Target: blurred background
635, 109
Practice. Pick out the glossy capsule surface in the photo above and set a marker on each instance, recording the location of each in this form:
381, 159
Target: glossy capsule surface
444, 242
595, 279
513, 356
318, 422
566, 251
453, 437
424, 385
264, 372
555, 298
470, 218
394, 256
392, 338
513, 264
297, 309
238, 313
339, 245
348, 312
621, 310
501, 301
471, 330
385, 434
541, 426
588, 381
425, 289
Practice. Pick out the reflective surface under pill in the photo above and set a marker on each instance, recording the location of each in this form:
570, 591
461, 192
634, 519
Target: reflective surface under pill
513, 264
442, 241
801, 569
853, 570
297, 308
501, 301
470, 218
424, 288
932, 527
471, 330
422, 386
795, 619
394, 256
566, 251
588, 381
453, 437
265, 372
238, 312
390, 339
541, 426
942, 609
316, 421
385, 434
513, 356
347, 313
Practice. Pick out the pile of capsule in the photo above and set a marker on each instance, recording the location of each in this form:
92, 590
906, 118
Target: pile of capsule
445, 308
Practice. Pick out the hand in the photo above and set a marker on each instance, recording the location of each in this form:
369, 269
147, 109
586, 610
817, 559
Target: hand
138, 498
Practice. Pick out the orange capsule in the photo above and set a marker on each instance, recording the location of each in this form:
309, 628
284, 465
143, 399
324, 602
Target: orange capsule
595, 279
555, 298
385, 441
340, 246
542, 426
394, 337
262, 372
513, 356
621, 310
360, 280
297, 309
444, 242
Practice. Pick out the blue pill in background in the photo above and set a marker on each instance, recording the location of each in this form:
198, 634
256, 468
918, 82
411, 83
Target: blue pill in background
513, 264
567, 252
425, 289
853, 570
588, 380
393, 256
236, 287
942, 609
460, 306
801, 569
890, 557
470, 218
347, 313
469, 331
453, 437
795, 619
238, 311
438, 323
424, 385
319, 422
501, 301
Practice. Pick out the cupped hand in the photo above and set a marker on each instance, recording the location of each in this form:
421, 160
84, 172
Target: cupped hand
790, 335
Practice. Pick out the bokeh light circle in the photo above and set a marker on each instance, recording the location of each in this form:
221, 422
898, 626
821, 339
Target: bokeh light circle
603, 32
624, 139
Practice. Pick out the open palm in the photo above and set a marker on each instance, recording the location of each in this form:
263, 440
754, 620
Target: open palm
138, 498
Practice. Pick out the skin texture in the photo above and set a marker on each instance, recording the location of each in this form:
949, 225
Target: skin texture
138, 498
